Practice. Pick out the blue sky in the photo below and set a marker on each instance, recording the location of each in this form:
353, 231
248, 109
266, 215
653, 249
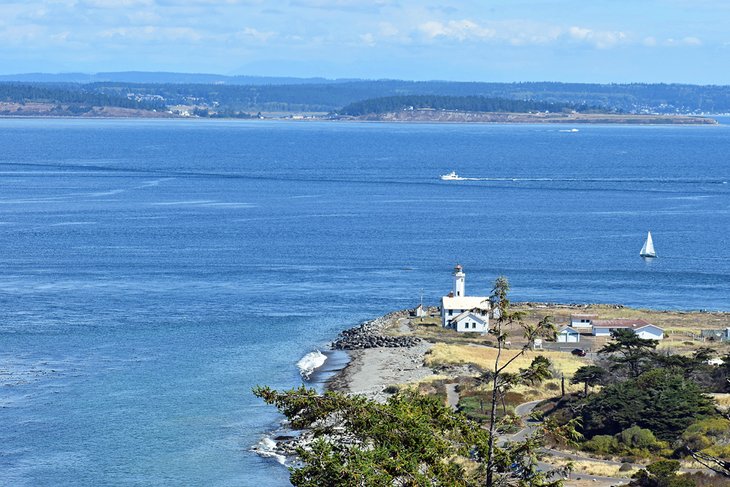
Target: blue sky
486, 40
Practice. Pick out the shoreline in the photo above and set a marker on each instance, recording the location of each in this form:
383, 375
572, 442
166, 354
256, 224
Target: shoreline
636, 120
368, 371
376, 358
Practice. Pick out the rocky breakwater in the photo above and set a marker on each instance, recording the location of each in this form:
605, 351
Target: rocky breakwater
370, 335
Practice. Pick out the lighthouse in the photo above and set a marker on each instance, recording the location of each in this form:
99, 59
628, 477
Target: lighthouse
461, 312
459, 281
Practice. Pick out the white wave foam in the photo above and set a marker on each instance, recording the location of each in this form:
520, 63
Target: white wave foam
266, 448
310, 362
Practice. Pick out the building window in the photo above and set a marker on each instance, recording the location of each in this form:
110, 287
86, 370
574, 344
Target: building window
451, 312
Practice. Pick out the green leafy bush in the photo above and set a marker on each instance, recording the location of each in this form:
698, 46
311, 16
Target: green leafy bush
605, 444
636, 437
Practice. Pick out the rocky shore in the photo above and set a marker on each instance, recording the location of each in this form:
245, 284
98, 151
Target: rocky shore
376, 361
370, 335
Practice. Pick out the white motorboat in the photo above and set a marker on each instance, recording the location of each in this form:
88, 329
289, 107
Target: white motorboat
452, 176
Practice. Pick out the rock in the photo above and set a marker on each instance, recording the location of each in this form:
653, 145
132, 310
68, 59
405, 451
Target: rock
369, 335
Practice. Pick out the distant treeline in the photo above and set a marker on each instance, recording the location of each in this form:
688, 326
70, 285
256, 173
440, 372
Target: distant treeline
72, 94
457, 103
333, 95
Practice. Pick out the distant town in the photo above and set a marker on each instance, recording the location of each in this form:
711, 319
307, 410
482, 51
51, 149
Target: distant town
171, 95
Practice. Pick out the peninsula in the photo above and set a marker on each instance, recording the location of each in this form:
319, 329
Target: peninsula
593, 354
360, 100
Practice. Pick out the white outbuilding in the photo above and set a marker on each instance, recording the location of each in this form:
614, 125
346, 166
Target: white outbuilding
582, 320
456, 303
567, 335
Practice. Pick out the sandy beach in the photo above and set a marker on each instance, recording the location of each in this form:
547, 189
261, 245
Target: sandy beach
372, 370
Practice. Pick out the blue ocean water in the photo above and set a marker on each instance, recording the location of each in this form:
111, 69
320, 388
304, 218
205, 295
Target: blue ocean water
153, 272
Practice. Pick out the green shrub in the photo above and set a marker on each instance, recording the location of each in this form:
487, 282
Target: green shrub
605, 444
391, 389
709, 434
636, 437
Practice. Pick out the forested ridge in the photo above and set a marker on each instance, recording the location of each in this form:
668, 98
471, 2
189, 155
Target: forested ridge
332, 95
459, 103
71, 94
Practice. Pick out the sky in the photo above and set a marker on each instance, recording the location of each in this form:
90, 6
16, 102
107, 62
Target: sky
673, 41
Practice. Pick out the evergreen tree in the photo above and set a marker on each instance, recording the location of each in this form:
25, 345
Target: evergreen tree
660, 400
629, 351
589, 375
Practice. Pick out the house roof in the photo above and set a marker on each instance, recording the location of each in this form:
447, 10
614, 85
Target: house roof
631, 324
578, 315
465, 302
464, 314
569, 330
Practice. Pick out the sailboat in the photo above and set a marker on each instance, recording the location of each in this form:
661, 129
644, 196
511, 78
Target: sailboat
648, 249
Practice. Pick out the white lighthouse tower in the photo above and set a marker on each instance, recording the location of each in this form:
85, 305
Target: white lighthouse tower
461, 312
459, 281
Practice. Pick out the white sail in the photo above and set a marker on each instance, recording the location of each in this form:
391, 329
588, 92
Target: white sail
648, 249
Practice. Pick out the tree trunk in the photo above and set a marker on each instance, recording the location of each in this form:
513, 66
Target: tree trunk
493, 416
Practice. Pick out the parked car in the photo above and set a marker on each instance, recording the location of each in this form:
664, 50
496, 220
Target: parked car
579, 352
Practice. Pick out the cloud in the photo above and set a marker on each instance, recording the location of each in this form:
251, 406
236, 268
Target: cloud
688, 41
257, 35
368, 39
456, 29
600, 39
115, 4
152, 33
520, 33
343, 5
685, 41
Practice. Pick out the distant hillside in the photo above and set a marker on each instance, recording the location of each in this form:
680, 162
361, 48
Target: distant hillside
332, 96
453, 103
240, 96
160, 77
71, 94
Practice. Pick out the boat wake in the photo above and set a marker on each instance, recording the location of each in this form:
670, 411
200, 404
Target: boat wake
311, 362
599, 180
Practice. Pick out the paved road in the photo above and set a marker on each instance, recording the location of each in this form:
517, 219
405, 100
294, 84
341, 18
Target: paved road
452, 397
524, 410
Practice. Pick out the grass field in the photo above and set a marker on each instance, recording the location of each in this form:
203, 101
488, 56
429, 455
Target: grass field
674, 321
483, 357
591, 468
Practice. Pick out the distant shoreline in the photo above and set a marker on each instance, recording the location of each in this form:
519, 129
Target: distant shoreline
47, 111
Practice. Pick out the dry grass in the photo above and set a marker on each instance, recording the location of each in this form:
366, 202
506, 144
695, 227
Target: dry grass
723, 400
588, 467
483, 357
679, 321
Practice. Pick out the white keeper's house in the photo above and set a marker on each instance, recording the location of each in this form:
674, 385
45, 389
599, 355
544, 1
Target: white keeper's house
464, 313
641, 327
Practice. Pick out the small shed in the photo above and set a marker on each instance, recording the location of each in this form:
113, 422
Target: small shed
419, 312
716, 335
567, 335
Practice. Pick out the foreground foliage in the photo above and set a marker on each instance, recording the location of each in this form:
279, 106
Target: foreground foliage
411, 440
659, 400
